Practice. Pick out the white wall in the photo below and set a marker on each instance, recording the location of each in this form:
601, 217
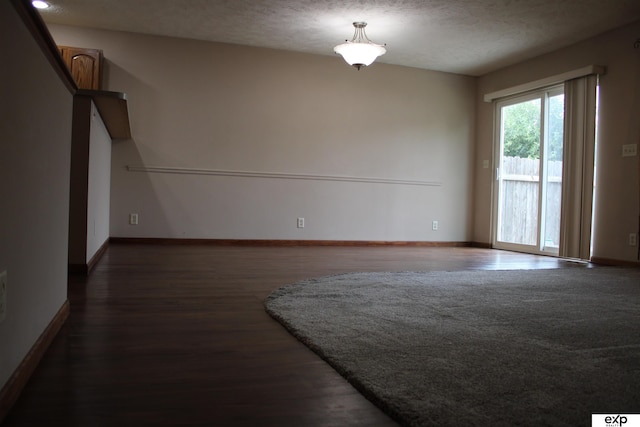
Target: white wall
99, 185
35, 135
616, 204
223, 107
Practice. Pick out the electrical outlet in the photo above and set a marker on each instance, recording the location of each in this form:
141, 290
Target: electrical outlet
633, 239
133, 219
434, 225
3, 296
300, 222
629, 150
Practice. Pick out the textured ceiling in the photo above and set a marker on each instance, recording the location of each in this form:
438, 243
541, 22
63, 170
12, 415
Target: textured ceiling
460, 36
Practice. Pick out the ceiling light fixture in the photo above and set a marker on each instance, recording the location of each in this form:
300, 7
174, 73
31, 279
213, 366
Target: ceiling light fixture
40, 4
360, 51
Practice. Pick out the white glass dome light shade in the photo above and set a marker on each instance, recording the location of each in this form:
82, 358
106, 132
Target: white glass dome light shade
359, 51
38, 4
359, 54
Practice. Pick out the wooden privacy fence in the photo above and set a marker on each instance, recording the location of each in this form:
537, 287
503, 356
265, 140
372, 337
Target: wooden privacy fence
519, 201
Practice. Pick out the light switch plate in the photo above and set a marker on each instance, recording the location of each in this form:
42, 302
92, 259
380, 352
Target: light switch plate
629, 150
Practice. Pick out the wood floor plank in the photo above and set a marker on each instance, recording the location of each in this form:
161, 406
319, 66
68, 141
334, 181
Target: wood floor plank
178, 335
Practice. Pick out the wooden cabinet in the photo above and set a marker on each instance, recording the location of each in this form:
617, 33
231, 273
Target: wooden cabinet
85, 66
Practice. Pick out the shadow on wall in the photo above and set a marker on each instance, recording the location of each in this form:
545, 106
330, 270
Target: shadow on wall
132, 193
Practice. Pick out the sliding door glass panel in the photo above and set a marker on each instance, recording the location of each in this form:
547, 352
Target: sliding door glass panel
554, 133
519, 172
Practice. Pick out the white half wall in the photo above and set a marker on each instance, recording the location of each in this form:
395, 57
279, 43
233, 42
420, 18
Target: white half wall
35, 146
99, 185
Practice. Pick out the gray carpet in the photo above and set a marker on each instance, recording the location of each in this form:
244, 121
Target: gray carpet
477, 348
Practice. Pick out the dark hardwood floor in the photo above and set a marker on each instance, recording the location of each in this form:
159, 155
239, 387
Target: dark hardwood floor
177, 335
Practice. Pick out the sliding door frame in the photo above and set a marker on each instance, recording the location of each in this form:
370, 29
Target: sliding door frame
543, 94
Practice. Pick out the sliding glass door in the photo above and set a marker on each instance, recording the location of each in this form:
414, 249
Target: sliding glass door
529, 172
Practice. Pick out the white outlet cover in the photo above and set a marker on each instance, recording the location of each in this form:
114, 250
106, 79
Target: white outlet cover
629, 150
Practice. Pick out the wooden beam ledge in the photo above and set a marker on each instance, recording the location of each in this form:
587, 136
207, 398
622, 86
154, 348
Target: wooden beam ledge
112, 106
